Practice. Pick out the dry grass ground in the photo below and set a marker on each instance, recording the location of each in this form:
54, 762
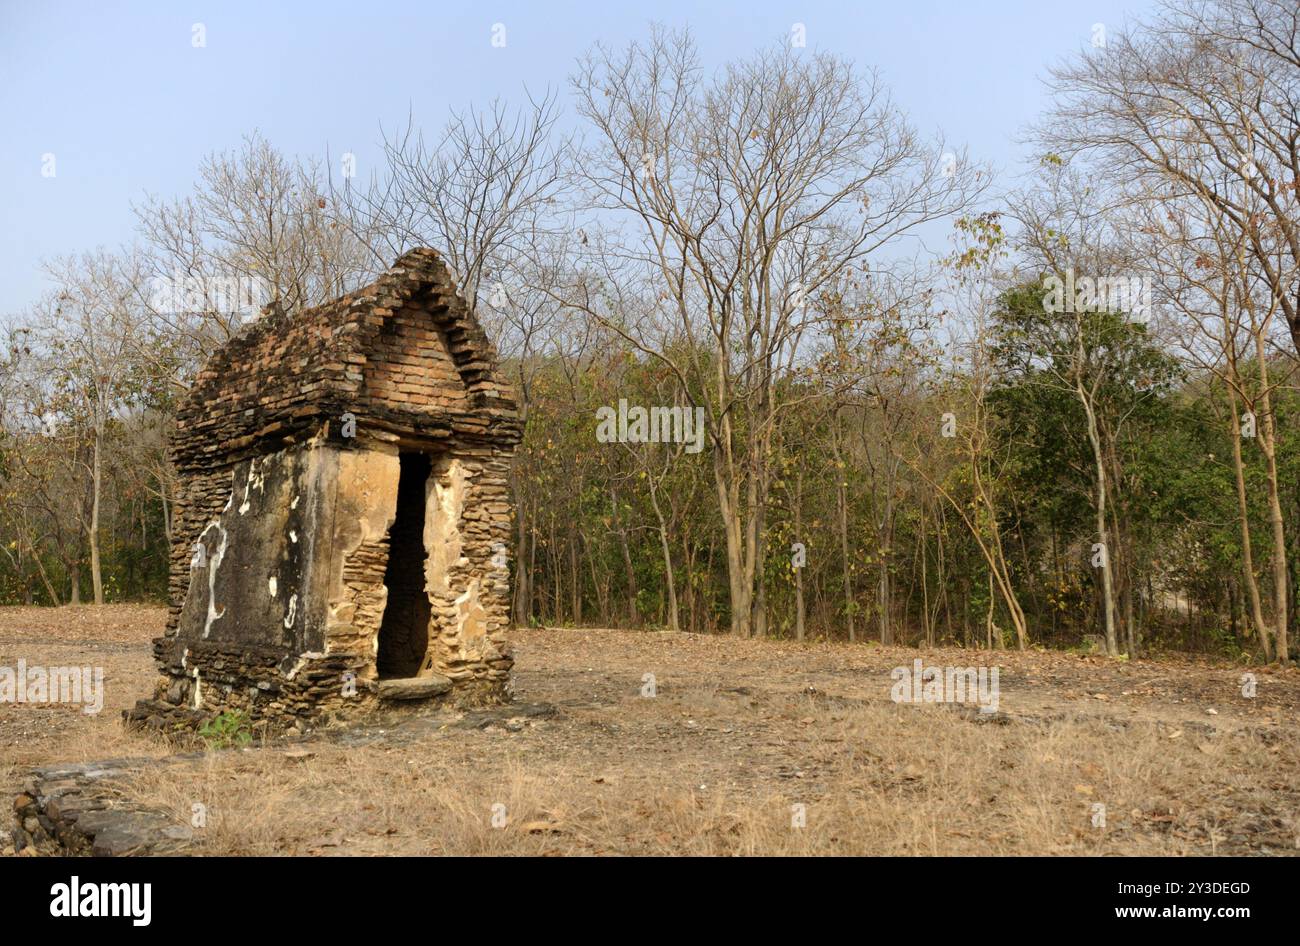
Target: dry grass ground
738, 733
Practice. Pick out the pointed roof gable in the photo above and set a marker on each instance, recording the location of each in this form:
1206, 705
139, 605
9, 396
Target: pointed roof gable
404, 356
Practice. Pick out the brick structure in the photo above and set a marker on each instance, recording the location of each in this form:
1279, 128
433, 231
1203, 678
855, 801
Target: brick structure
341, 532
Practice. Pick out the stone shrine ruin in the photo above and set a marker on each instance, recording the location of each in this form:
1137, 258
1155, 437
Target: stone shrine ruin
341, 530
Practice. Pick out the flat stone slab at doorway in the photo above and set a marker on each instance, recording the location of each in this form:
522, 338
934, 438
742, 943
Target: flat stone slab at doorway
414, 688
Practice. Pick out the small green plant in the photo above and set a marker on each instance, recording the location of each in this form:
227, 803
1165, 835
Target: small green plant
226, 730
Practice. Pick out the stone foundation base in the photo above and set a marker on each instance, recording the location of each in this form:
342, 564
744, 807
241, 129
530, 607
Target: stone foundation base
273, 712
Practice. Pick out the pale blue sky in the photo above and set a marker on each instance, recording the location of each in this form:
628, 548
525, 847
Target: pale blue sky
125, 102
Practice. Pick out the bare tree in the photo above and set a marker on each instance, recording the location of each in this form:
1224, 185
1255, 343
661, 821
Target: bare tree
258, 230
1071, 224
980, 464
89, 333
1211, 284
1201, 100
482, 193
730, 201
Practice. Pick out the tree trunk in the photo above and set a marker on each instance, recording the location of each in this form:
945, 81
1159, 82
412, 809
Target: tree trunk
884, 591
633, 616
800, 614
1107, 584
758, 619
669, 578
1267, 434
96, 577
740, 580
1243, 516
523, 568
575, 568
842, 512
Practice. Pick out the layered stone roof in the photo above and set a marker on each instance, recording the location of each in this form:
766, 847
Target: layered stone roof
403, 356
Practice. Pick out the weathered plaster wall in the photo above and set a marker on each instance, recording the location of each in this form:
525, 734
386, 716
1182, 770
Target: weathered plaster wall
283, 607
252, 575
252, 628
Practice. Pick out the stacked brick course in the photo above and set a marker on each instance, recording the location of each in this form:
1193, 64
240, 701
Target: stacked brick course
287, 449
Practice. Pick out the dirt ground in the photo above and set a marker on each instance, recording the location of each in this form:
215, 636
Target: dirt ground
745, 747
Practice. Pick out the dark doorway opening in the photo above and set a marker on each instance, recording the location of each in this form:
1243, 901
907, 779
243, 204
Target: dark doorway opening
404, 631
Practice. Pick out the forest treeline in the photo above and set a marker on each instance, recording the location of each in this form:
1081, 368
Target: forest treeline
1070, 426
